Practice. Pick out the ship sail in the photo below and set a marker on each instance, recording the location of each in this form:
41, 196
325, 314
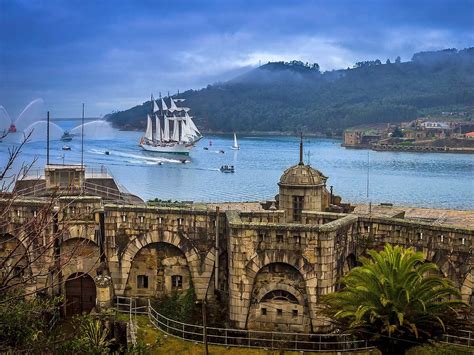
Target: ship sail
173, 106
179, 136
166, 130
157, 128
235, 145
191, 124
187, 134
163, 106
149, 129
175, 136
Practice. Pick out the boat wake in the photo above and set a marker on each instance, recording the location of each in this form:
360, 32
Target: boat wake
135, 158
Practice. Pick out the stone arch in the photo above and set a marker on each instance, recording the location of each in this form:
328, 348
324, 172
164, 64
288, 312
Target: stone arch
158, 269
350, 262
281, 286
467, 288
286, 308
16, 257
441, 259
79, 255
263, 258
201, 265
259, 260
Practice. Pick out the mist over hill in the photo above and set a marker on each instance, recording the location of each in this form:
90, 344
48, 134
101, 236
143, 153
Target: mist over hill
295, 96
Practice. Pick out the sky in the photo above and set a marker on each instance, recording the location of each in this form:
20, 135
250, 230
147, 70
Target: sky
112, 55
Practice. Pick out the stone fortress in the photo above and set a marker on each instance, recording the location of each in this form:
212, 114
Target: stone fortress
270, 266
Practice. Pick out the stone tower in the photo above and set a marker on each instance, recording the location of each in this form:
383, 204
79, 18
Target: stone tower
302, 188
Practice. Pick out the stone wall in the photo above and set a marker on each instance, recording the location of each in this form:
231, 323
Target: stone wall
312, 250
272, 273
128, 229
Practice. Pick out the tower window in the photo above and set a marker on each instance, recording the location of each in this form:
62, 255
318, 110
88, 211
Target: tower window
294, 313
142, 281
263, 311
297, 207
176, 282
279, 312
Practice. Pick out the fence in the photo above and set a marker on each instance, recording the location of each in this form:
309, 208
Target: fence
462, 337
245, 338
263, 339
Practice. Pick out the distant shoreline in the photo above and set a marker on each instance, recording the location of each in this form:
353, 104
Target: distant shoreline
255, 133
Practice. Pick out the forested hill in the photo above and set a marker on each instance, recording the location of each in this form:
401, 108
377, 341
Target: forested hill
293, 96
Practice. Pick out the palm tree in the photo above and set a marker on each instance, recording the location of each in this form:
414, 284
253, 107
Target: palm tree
395, 300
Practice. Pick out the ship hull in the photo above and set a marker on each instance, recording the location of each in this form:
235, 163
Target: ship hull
172, 149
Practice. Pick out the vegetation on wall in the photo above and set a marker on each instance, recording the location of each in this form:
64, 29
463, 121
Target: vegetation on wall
25, 323
294, 96
396, 300
180, 306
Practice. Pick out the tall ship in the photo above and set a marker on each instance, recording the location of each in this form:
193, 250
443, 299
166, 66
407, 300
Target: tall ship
173, 129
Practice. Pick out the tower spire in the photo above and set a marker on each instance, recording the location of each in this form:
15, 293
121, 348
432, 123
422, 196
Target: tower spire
301, 149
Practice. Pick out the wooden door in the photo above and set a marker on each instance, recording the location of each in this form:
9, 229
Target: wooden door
80, 294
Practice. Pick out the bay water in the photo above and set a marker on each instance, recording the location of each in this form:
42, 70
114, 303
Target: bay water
436, 180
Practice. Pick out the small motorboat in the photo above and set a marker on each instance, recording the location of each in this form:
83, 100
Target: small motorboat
227, 169
221, 151
66, 137
66, 147
107, 152
206, 148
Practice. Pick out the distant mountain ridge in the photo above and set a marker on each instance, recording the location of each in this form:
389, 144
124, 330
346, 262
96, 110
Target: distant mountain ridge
295, 96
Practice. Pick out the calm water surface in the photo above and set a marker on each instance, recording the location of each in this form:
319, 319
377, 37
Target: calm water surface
415, 179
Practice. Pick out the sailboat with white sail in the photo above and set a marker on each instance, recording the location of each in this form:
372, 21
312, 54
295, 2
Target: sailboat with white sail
174, 131
235, 145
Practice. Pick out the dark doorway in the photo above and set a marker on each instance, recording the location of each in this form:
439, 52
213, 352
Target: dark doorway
80, 294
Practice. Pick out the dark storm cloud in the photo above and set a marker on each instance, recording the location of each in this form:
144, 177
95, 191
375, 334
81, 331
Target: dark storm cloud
112, 55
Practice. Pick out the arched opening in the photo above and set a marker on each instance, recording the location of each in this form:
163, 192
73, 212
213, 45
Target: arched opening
80, 294
158, 269
14, 261
350, 262
278, 300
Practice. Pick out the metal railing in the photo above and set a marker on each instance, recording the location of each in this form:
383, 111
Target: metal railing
242, 337
103, 191
91, 171
463, 338
35, 190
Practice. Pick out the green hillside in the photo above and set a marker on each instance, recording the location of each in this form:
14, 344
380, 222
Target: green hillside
293, 96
